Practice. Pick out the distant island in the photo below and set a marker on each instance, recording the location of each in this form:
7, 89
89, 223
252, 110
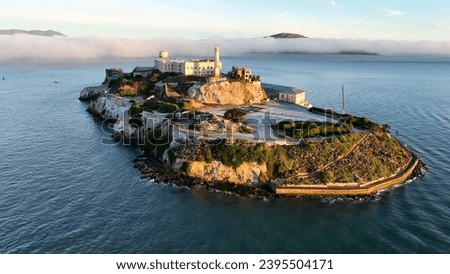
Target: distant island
199, 127
287, 35
48, 33
357, 52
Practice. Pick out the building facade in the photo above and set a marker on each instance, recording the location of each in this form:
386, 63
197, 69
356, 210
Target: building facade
294, 96
241, 73
203, 68
286, 94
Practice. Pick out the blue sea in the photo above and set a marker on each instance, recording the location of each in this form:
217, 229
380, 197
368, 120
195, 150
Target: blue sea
63, 191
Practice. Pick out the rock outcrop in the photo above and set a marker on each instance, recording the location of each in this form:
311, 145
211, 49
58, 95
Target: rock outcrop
217, 124
228, 93
109, 106
91, 93
216, 171
124, 131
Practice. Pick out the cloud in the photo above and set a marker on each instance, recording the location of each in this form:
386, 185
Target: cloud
333, 3
65, 49
392, 13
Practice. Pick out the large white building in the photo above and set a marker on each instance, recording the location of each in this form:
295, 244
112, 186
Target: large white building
286, 94
206, 67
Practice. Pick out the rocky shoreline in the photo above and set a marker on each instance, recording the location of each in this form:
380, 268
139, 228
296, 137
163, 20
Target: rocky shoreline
419, 171
153, 169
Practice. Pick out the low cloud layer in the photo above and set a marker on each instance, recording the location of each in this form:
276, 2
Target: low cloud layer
59, 49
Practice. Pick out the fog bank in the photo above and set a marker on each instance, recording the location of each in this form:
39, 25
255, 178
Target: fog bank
92, 48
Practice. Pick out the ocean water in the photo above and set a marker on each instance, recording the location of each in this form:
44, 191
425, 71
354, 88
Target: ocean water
62, 191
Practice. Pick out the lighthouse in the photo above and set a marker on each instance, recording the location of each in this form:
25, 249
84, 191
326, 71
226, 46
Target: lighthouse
217, 65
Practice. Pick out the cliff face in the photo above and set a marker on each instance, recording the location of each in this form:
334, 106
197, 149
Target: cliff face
109, 106
90, 93
249, 172
228, 93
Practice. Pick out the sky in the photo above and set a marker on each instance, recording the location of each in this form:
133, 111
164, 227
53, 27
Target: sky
385, 19
140, 28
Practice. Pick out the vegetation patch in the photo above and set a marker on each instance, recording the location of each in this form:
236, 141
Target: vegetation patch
133, 87
275, 157
157, 142
377, 157
163, 107
236, 115
312, 129
355, 121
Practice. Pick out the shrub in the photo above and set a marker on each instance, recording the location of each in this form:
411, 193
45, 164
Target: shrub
277, 161
136, 110
365, 123
114, 82
208, 155
163, 107
235, 114
303, 181
155, 76
127, 90
312, 129
233, 155
326, 176
344, 176
185, 167
168, 108
187, 105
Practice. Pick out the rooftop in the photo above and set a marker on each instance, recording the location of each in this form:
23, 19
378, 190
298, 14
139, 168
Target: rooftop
280, 88
142, 69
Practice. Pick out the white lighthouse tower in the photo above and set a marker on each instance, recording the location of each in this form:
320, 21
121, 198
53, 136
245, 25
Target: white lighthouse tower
217, 64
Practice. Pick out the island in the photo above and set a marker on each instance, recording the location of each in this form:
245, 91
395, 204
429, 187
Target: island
47, 33
200, 127
287, 35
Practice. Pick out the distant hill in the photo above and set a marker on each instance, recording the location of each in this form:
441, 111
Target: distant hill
49, 33
357, 52
287, 35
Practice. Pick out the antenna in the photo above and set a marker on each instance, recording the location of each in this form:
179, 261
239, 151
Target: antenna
343, 100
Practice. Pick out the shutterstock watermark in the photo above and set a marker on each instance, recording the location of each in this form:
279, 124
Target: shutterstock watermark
183, 128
